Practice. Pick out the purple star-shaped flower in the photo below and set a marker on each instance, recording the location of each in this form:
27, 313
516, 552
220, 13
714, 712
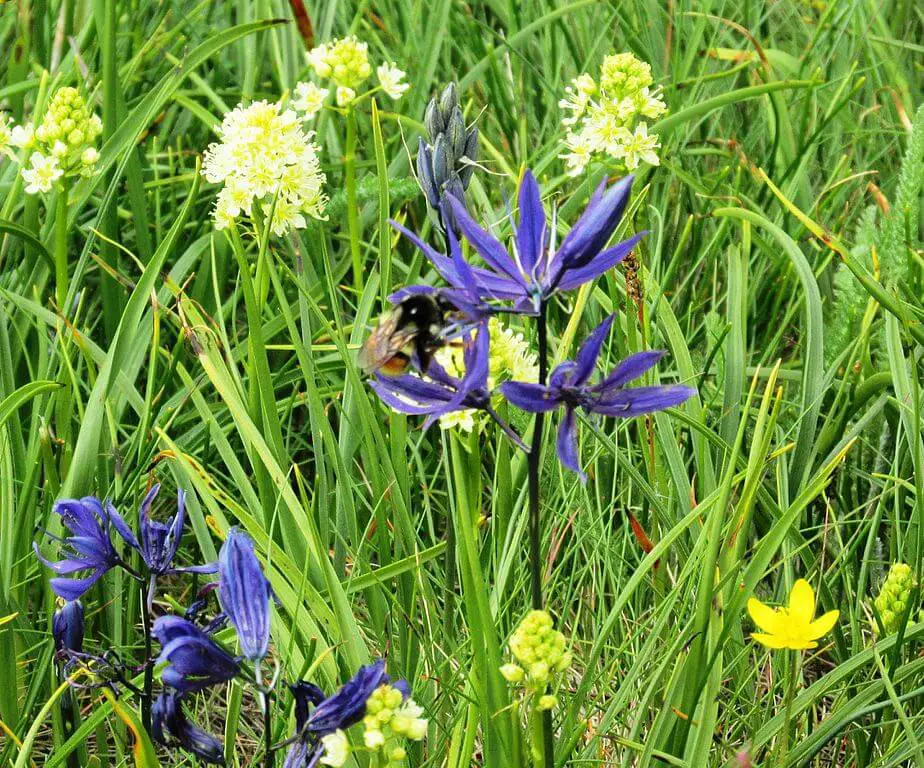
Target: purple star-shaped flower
90, 546
194, 661
532, 274
568, 386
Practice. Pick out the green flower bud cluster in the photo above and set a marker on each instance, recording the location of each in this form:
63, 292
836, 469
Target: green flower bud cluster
390, 719
345, 61
541, 658
69, 131
896, 592
622, 75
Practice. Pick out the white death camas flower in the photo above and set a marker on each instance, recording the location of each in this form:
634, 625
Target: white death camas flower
63, 145
265, 157
309, 99
392, 80
606, 120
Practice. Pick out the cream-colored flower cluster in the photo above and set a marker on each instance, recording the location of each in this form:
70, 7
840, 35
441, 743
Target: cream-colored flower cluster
345, 62
390, 719
509, 358
264, 157
63, 145
541, 658
892, 601
607, 119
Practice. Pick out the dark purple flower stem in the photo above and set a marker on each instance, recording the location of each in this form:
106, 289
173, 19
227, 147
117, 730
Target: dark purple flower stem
535, 529
147, 601
534, 465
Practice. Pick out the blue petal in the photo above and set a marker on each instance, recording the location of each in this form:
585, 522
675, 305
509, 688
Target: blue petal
534, 398
348, 705
74, 589
639, 400
586, 360
532, 226
630, 368
574, 278
566, 444
489, 247
121, 527
595, 226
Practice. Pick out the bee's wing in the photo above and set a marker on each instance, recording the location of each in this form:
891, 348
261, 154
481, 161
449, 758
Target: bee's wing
383, 343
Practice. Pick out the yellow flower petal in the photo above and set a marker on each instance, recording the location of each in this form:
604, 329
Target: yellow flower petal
802, 603
820, 627
765, 617
801, 645
770, 641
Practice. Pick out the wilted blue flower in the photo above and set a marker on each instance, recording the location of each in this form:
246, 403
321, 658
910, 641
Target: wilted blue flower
67, 627
160, 541
194, 661
171, 727
305, 747
89, 548
568, 387
532, 274
244, 593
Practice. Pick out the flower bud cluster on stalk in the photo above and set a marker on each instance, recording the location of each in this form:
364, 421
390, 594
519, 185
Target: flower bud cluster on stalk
895, 596
64, 145
446, 159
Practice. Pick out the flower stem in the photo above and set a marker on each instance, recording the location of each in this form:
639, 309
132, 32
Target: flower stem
61, 245
535, 530
147, 695
535, 461
266, 704
791, 675
349, 173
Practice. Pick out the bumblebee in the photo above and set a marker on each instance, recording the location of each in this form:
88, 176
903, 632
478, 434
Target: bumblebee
417, 326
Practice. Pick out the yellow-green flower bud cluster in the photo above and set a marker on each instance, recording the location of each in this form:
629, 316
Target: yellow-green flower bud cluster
69, 131
541, 657
607, 120
345, 61
896, 592
63, 145
390, 719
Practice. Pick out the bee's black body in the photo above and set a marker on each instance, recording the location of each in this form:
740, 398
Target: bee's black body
416, 327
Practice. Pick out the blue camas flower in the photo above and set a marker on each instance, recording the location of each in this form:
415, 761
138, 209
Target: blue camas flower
245, 593
67, 627
568, 387
533, 273
194, 661
90, 546
171, 727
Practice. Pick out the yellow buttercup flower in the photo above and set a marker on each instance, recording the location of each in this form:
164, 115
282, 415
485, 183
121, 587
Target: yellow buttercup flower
794, 626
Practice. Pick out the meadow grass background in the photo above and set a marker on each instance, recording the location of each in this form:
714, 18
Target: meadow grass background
782, 153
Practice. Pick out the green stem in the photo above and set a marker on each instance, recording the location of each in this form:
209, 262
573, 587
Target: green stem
349, 171
537, 733
61, 245
792, 673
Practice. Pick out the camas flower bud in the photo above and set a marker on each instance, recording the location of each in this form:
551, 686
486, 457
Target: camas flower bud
896, 592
